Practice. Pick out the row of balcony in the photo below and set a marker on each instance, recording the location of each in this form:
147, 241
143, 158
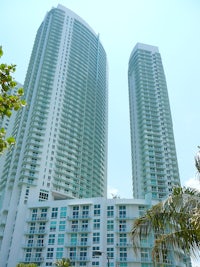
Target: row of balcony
33, 259
85, 258
80, 217
76, 230
44, 218
73, 244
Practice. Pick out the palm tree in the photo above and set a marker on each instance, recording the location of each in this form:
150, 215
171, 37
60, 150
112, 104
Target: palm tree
174, 222
63, 263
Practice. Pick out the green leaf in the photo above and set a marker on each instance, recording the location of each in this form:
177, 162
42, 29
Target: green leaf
2, 131
11, 140
23, 103
1, 51
20, 91
8, 113
8, 102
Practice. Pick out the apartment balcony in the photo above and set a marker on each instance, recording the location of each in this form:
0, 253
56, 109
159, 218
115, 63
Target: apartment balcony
80, 259
79, 217
75, 230
125, 217
40, 219
134, 260
25, 181
122, 259
146, 245
36, 232
161, 185
78, 244
33, 245
24, 177
123, 244
33, 259
144, 259
123, 230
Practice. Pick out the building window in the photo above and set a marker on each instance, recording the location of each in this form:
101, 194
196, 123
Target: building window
32, 228
84, 224
110, 211
40, 240
110, 253
60, 239
96, 238
72, 253
75, 225
123, 264
59, 253
122, 239
28, 256
141, 210
49, 263
75, 212
96, 248
83, 253
95, 263
42, 227
144, 254
110, 239
96, 224
85, 212
38, 253
43, 213
63, 212
84, 238
50, 253
53, 226
51, 240
123, 254
110, 225
97, 210
82, 263
43, 196
122, 225
122, 211
62, 226
54, 213
73, 239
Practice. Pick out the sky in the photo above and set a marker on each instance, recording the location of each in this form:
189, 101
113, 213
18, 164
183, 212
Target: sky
171, 25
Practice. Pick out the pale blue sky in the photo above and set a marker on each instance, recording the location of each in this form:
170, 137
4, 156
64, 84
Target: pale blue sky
172, 25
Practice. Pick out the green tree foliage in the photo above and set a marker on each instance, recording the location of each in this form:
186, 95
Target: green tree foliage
63, 263
175, 224
8, 101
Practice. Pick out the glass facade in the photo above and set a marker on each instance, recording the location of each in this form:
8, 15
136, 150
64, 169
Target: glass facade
85, 239
62, 139
154, 162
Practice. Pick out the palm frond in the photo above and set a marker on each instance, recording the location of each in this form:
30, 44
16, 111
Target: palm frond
180, 241
174, 223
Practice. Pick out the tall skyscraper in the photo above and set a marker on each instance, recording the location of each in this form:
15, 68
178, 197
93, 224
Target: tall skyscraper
154, 161
61, 135
62, 140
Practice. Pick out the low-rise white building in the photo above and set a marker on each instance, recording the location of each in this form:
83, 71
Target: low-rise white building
90, 232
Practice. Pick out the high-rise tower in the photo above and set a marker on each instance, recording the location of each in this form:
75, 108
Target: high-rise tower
154, 161
61, 134
62, 140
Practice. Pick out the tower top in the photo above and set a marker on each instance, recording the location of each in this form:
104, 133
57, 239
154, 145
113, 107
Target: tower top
74, 15
147, 47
